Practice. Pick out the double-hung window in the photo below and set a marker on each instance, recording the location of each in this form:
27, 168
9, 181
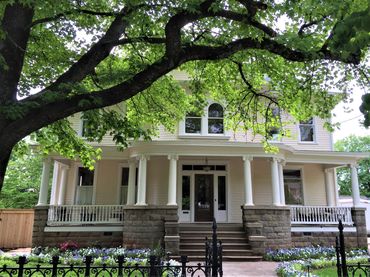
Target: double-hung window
85, 186
293, 187
193, 123
210, 123
307, 130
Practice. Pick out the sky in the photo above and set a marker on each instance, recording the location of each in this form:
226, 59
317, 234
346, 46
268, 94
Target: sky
350, 120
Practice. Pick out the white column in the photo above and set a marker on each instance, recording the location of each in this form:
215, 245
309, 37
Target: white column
141, 190
329, 185
275, 182
43, 194
63, 184
355, 186
248, 191
54, 184
281, 182
172, 177
131, 183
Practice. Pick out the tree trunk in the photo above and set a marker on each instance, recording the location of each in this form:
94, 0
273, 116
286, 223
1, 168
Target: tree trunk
4, 160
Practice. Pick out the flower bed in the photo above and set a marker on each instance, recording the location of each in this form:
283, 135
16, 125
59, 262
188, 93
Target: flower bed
69, 253
297, 261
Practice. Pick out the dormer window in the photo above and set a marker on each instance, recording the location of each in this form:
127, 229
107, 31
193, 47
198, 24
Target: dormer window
306, 130
208, 124
215, 119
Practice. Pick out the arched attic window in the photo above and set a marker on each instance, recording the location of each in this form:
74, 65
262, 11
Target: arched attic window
215, 119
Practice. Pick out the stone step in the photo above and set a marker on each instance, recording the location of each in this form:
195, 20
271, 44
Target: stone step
223, 239
225, 252
209, 233
208, 227
225, 245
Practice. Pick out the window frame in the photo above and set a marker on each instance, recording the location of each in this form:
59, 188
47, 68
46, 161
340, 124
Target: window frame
120, 179
313, 126
204, 125
300, 169
76, 183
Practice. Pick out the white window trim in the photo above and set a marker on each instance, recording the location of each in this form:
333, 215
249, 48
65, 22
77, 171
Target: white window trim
120, 166
80, 127
204, 126
77, 166
314, 133
301, 169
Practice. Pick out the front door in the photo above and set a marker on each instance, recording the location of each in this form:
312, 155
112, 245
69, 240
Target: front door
203, 204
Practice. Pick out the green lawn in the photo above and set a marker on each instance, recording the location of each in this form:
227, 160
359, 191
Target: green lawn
326, 272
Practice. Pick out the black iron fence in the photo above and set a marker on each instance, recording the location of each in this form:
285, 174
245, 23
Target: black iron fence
344, 269
212, 266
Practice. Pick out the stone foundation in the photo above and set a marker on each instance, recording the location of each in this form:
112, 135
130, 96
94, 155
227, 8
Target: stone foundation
303, 239
39, 224
151, 226
359, 219
83, 239
144, 226
268, 225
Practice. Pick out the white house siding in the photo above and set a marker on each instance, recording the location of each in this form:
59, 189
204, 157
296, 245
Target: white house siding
314, 185
323, 140
236, 189
157, 180
107, 182
261, 180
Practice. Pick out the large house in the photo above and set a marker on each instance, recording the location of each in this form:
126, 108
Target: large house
166, 191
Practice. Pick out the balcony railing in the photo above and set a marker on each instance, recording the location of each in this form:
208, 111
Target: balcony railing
320, 215
85, 214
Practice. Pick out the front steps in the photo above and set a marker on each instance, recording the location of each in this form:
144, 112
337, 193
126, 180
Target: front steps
233, 238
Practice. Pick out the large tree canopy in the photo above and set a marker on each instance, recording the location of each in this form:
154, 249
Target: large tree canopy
62, 57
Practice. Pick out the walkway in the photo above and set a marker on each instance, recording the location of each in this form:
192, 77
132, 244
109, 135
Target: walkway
246, 269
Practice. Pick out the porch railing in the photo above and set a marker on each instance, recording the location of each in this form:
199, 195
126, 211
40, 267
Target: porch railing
85, 214
320, 215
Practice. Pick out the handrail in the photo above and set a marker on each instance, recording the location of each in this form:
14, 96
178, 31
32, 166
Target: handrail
85, 214
320, 215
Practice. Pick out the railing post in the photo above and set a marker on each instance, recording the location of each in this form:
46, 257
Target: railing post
214, 249
22, 260
342, 249
88, 262
152, 271
183, 260
54, 262
120, 261
339, 270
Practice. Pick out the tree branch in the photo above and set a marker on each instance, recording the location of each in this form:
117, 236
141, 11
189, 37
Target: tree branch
150, 40
309, 24
14, 24
76, 11
97, 53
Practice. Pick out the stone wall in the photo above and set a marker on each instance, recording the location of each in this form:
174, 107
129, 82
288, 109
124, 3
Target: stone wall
144, 226
268, 225
39, 223
303, 239
359, 219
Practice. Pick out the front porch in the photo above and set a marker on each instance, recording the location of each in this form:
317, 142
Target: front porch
141, 197
76, 215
